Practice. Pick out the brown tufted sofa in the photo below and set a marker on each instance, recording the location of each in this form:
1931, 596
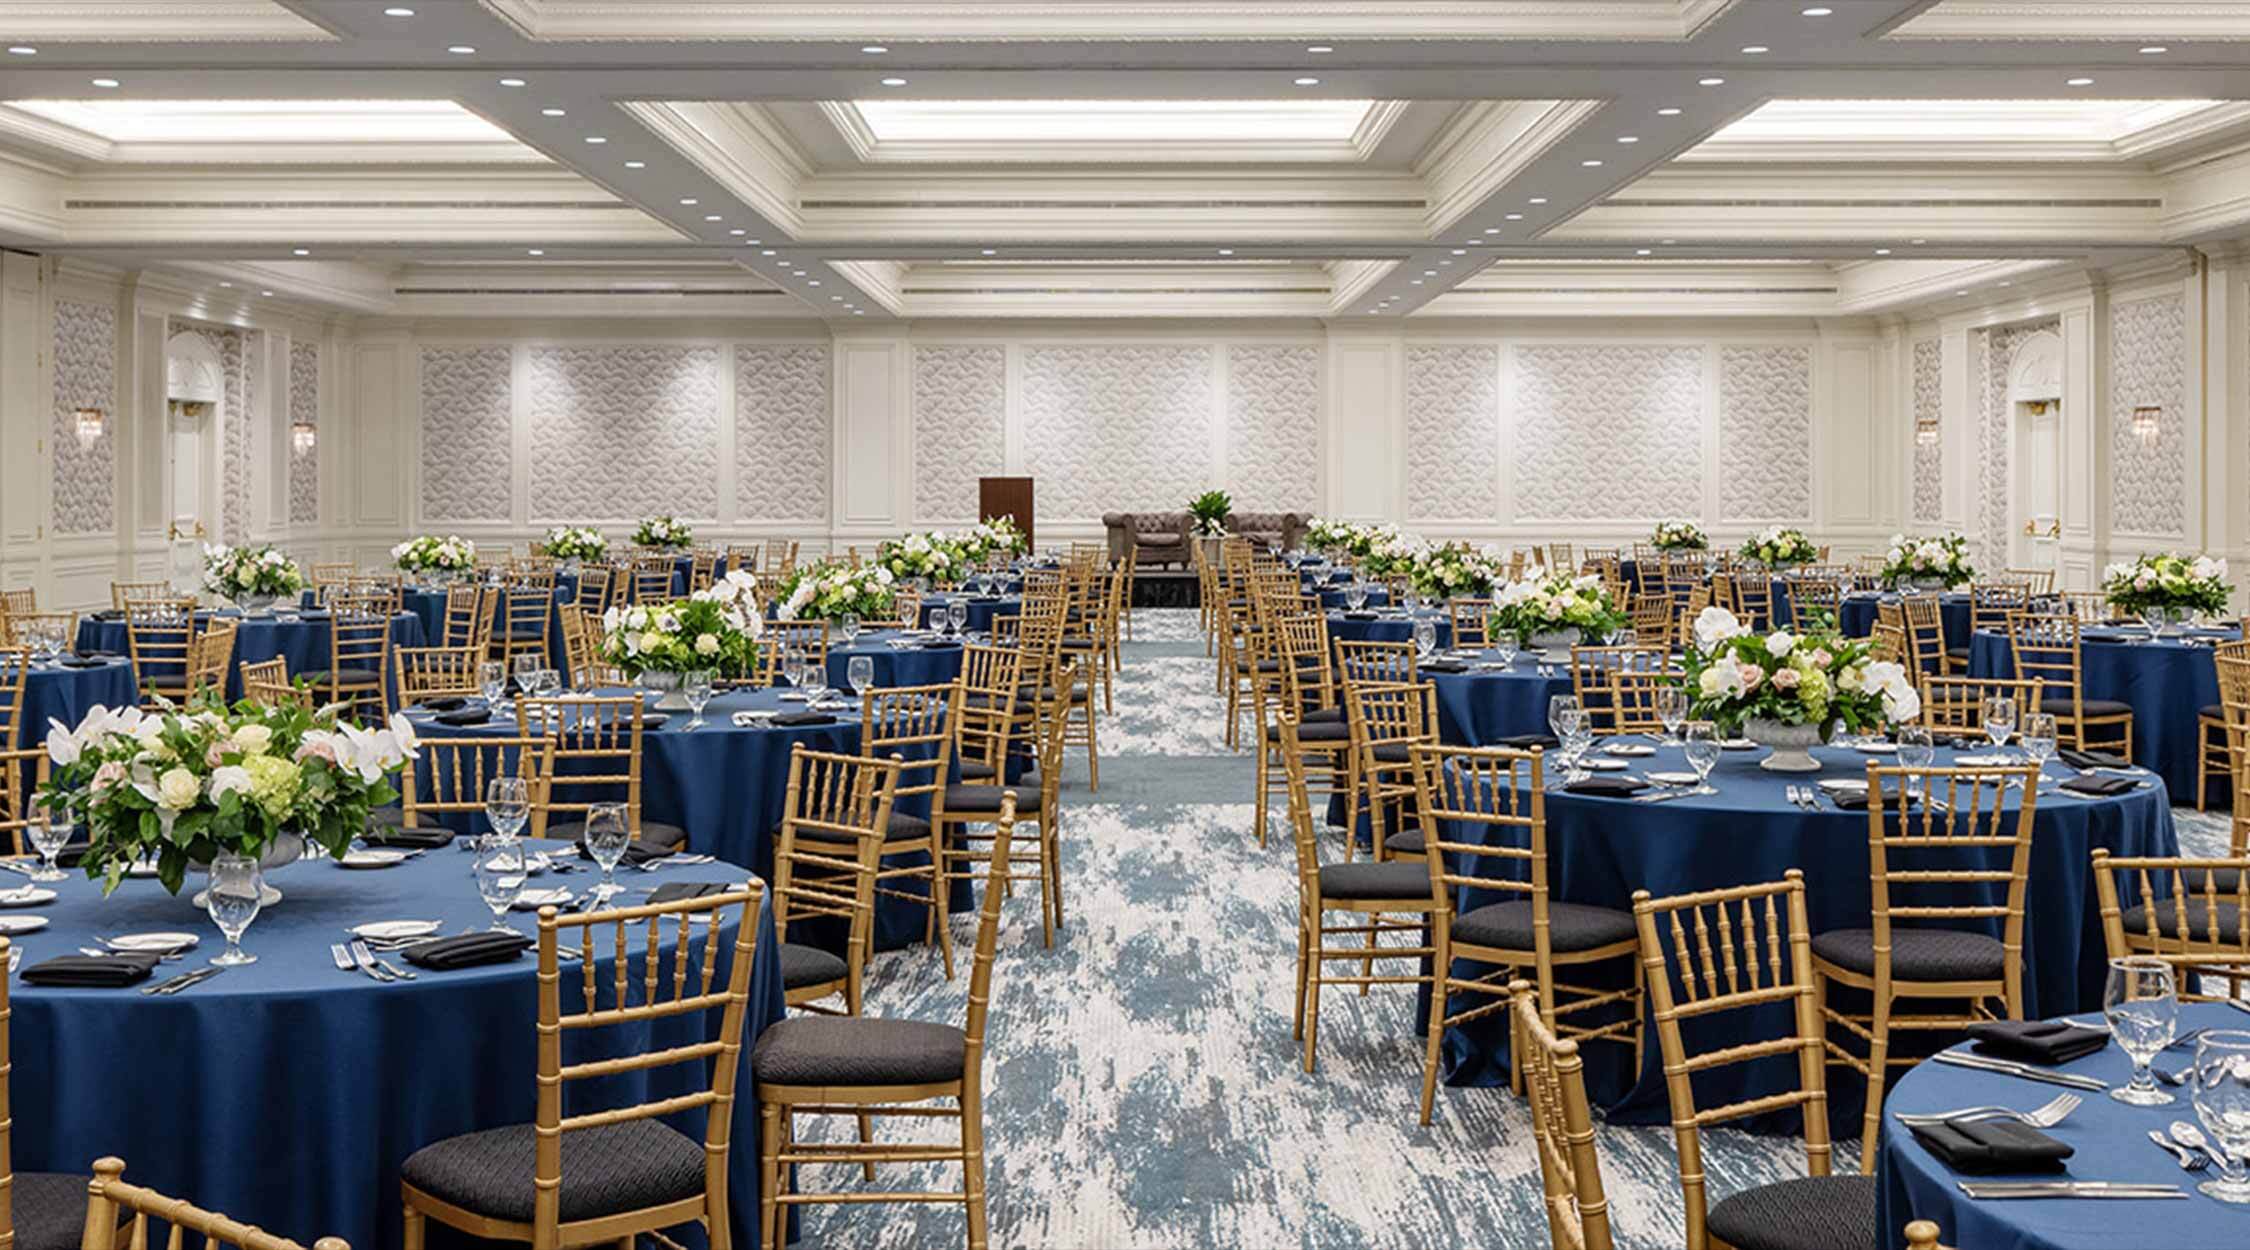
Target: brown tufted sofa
1158, 538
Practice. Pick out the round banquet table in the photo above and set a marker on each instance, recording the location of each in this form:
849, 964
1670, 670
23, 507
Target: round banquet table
1388, 625
1492, 702
912, 661
290, 1091
1856, 616
1600, 850
66, 692
2110, 1143
300, 638
2166, 683
982, 608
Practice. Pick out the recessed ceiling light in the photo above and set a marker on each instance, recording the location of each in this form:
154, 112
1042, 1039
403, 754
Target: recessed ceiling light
1537, 199
1668, 111
894, 82
1509, 217
535, 251
1755, 49
1591, 164
738, 232
859, 312
874, 49
550, 112
462, 49
105, 82
267, 294
1882, 251
226, 284
396, 11
748, 242
814, 282
690, 201
1460, 252
1710, 82
300, 251
837, 298
23, 50
767, 252
2079, 82
1319, 49
1226, 251
1413, 282
511, 82
1628, 138
1492, 229
1445, 262
596, 139
1962, 291
991, 251
713, 217
1429, 273
2007, 284
636, 164
1307, 82
1469, 243
1818, 12
2155, 49
1640, 251
1917, 242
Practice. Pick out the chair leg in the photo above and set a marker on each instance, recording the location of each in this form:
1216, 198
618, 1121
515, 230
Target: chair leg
1312, 992
1303, 946
411, 1237
1093, 748
1264, 780
867, 1135
972, 1168
769, 1178
1440, 973
941, 889
1878, 1054
1051, 852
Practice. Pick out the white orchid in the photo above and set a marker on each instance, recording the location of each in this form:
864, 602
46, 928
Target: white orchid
1715, 625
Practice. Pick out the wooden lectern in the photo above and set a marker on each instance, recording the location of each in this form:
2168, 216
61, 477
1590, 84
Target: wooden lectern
1006, 497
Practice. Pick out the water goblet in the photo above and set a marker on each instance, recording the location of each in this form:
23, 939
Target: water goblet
235, 892
1671, 711
1355, 594
48, 837
507, 806
526, 666
1564, 715
1916, 749
695, 686
812, 678
1504, 646
2039, 738
492, 681
2143, 1011
2220, 1092
1999, 719
500, 878
957, 616
1700, 743
1411, 602
1425, 638
848, 626
606, 836
859, 673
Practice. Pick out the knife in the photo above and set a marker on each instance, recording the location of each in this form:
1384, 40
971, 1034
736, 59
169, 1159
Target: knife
2005, 1068
2069, 1189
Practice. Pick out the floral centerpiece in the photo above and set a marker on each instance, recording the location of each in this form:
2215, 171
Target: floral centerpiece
932, 556
1002, 536
1679, 536
715, 629
1330, 537
1388, 551
1208, 514
1790, 691
1779, 547
664, 533
449, 555
1928, 562
831, 588
1556, 611
574, 543
1450, 570
252, 577
2164, 590
186, 785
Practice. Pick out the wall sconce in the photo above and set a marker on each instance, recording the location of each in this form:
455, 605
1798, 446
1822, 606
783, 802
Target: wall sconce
1926, 431
91, 423
2147, 422
2040, 407
303, 437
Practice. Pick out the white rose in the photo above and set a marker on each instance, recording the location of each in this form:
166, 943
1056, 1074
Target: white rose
252, 739
706, 644
177, 789
229, 780
1781, 642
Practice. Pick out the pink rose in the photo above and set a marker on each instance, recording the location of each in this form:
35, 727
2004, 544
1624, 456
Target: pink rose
1751, 676
108, 775
1821, 659
213, 756
316, 750
1785, 679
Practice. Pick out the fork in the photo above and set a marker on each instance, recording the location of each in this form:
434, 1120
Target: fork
345, 962
388, 969
2045, 1116
2190, 1160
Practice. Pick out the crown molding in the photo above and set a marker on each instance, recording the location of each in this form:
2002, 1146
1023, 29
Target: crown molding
745, 150
1485, 145
852, 126
2046, 21
156, 21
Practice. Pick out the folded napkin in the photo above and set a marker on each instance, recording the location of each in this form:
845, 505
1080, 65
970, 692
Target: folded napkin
2036, 1041
466, 716
1363, 616
420, 838
100, 655
1609, 787
74, 661
467, 950
1856, 800
936, 644
637, 853
2090, 759
448, 704
2103, 785
1992, 1146
795, 719
1525, 742
1444, 666
91, 971
674, 891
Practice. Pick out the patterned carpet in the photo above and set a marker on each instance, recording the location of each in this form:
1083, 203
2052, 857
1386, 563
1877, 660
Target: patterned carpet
1144, 1089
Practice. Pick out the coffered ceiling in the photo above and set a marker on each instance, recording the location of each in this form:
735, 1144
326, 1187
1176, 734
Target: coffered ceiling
1332, 158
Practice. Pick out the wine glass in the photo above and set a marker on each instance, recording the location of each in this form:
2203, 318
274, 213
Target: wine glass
2220, 1090
527, 668
1999, 719
232, 896
695, 686
606, 836
848, 626
859, 673
1671, 711
1700, 742
1504, 647
1355, 594
1411, 601
2144, 1015
507, 805
2039, 738
492, 681
1916, 749
956, 616
1425, 638
812, 678
48, 837
1564, 715
500, 877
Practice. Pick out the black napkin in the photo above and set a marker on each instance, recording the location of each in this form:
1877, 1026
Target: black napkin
1363, 616
937, 644
466, 716
100, 655
91, 971
637, 853
2090, 759
674, 891
108, 614
1992, 1146
467, 950
1605, 786
2102, 785
795, 719
447, 704
1855, 800
420, 838
1444, 666
75, 661
1525, 742
2036, 1041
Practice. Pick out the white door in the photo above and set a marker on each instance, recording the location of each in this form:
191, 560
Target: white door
2038, 487
184, 461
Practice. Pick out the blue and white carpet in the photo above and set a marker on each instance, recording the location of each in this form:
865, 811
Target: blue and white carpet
1143, 1088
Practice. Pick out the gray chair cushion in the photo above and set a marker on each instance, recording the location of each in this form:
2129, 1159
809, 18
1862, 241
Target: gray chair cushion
1374, 879
50, 1209
1916, 954
2198, 920
1573, 926
1317, 731
977, 770
346, 676
1394, 753
809, 965
2060, 706
619, 1167
1323, 716
852, 1050
1404, 842
1810, 1213
963, 799
2211, 711
653, 832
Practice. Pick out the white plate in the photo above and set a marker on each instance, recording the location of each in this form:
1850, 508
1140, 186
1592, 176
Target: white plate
153, 943
1981, 761
372, 859
12, 925
395, 930
1876, 748
1628, 748
26, 896
1602, 765
531, 900
1672, 779
1738, 744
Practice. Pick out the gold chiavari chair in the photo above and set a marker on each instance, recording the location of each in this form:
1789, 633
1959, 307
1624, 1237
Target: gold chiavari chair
19, 602
1373, 892
1559, 557
1301, 684
596, 751
2233, 663
449, 775
983, 713
1742, 953
742, 557
522, 628
116, 1216
211, 655
1752, 596
1594, 674
1562, 1128
1386, 721
914, 727
801, 641
15, 677
679, 1178
1471, 621
2052, 648
780, 558
359, 653
582, 641
122, 595
1653, 617
1374, 660
824, 1065
1955, 705
2187, 912
1922, 1235
1498, 797
330, 573
595, 582
966, 820
2039, 581
1887, 641
267, 684
160, 637
534, 572
1070, 704
1924, 623
824, 865
2214, 744
463, 607
1815, 602
20, 628
23, 771
652, 579
2090, 606
424, 673
1933, 867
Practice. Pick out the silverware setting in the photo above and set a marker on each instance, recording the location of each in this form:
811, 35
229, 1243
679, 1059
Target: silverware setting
2005, 1190
2192, 1138
2047, 1115
184, 980
2005, 1067
347, 962
2189, 1160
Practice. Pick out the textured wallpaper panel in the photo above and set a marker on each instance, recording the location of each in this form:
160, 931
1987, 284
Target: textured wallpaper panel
468, 454
1609, 432
1929, 461
1452, 431
1273, 427
1765, 433
304, 408
2148, 355
781, 435
623, 432
1117, 428
85, 377
960, 428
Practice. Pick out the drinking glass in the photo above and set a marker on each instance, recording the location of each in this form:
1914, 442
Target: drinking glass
500, 878
2038, 738
1999, 719
695, 686
812, 678
1564, 715
507, 804
848, 626
859, 672
1412, 602
606, 836
48, 837
1425, 638
1355, 594
492, 681
527, 665
957, 616
1916, 749
2220, 1089
232, 896
1504, 647
2144, 1016
1700, 741
1671, 710
1576, 743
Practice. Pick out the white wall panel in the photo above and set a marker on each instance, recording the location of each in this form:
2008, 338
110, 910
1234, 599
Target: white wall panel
782, 439
1273, 426
1609, 432
1110, 427
1765, 433
1452, 432
468, 440
85, 366
960, 416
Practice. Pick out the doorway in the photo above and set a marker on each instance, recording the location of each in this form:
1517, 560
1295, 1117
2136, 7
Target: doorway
2034, 416
194, 396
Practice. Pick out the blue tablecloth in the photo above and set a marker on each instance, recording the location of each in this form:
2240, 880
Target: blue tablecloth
1857, 616
303, 641
1481, 707
925, 662
1601, 850
287, 1092
67, 694
982, 608
2166, 683
1387, 626
2110, 1140
1335, 597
